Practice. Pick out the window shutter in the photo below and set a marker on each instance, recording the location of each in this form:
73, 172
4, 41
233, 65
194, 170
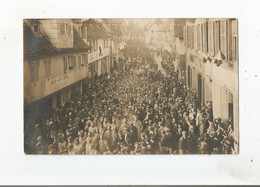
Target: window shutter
37, 70
62, 28
74, 62
198, 37
195, 37
68, 29
206, 37
86, 58
217, 36
192, 37
223, 34
202, 37
185, 35
79, 61
211, 38
65, 64
83, 59
32, 71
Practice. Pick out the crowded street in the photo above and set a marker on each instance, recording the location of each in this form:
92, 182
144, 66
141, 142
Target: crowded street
140, 108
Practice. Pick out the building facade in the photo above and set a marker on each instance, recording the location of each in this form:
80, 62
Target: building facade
57, 62
212, 65
99, 42
159, 34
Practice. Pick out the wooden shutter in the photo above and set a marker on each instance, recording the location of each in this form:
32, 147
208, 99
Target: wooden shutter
223, 35
37, 71
62, 28
206, 27
198, 37
74, 62
202, 37
68, 29
185, 35
79, 60
217, 36
192, 37
34, 71
211, 38
195, 37
65, 64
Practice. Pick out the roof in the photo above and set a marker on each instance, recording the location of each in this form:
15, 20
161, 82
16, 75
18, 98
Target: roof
96, 29
36, 46
78, 42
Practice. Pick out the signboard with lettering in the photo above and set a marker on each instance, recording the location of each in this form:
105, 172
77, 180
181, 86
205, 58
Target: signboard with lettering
59, 79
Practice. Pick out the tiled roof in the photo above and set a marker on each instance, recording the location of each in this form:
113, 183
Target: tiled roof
36, 45
78, 42
39, 45
96, 29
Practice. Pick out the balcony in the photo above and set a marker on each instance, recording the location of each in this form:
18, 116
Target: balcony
96, 55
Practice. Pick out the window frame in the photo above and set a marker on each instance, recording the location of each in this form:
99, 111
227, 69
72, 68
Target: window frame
65, 64
47, 68
34, 75
66, 29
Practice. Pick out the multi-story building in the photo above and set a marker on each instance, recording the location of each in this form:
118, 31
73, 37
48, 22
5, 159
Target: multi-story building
159, 34
180, 49
212, 65
99, 42
55, 64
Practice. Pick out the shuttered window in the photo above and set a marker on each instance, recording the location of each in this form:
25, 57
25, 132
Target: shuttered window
65, 64
234, 39
79, 61
189, 37
74, 62
202, 37
234, 47
198, 37
86, 59
206, 36
211, 38
65, 29
195, 37
192, 37
223, 35
47, 64
216, 36
185, 35
34, 67
68, 29
70, 62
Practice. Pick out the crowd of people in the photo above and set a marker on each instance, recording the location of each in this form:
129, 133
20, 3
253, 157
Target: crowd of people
134, 110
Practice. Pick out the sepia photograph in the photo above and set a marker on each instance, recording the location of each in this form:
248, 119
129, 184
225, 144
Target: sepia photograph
130, 86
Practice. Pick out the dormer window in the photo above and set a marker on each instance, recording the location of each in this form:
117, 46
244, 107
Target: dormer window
65, 29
